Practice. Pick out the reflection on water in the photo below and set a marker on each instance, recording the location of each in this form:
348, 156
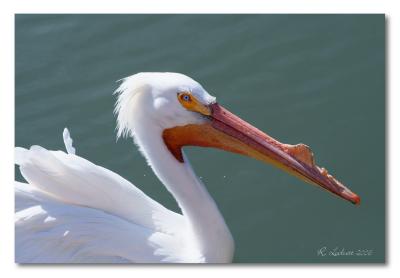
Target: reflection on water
301, 78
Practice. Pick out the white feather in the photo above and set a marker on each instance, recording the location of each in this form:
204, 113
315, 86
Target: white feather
75, 211
68, 141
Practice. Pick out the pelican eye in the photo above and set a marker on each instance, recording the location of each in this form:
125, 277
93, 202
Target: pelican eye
191, 103
186, 97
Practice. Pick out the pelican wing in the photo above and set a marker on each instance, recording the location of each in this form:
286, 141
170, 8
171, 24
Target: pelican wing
53, 232
73, 209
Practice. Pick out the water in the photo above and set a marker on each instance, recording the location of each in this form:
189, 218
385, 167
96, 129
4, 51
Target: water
316, 79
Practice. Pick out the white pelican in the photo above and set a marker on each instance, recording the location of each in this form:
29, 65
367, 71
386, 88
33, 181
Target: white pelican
72, 210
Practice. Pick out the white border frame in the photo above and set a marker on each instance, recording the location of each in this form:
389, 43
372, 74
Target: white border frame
7, 70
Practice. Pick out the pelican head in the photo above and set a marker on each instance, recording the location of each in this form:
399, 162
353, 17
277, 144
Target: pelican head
182, 113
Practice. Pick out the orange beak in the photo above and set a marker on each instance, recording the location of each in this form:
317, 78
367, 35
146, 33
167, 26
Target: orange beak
226, 131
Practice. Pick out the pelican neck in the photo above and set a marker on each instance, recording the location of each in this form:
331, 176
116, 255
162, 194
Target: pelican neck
205, 222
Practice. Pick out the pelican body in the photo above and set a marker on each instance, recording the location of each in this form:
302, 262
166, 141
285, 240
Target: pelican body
73, 211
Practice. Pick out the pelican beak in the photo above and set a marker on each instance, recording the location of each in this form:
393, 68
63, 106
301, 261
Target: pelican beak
226, 131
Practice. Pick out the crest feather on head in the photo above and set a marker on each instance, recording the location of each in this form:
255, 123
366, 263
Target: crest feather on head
123, 109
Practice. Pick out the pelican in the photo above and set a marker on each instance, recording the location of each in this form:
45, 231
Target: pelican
73, 211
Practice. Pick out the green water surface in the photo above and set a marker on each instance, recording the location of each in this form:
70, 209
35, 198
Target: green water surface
315, 79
